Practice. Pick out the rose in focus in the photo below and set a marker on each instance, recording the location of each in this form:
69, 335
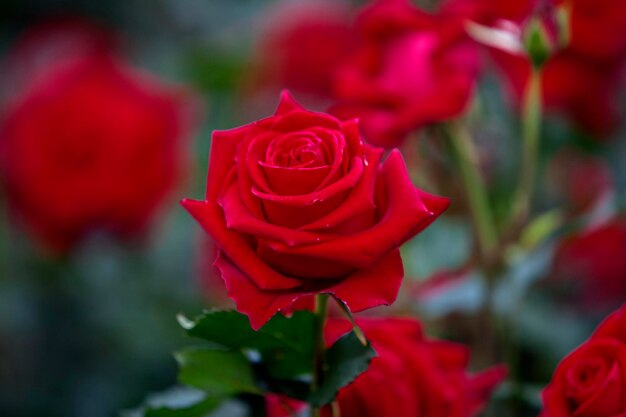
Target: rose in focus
298, 205
591, 381
87, 143
411, 376
409, 69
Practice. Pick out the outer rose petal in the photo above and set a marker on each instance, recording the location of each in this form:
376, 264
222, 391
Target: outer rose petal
365, 289
222, 156
211, 218
613, 327
258, 305
287, 104
374, 287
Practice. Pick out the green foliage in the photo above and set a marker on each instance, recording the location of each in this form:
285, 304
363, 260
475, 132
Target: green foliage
345, 360
285, 344
237, 360
216, 371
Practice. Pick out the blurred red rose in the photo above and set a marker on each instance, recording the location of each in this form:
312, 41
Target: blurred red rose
581, 81
86, 142
410, 69
411, 376
580, 89
596, 259
591, 381
582, 180
303, 42
598, 28
299, 205
489, 12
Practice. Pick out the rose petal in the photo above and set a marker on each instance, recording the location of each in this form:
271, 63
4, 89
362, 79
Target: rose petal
302, 120
372, 287
409, 211
287, 104
363, 290
222, 158
235, 245
294, 181
258, 305
303, 266
613, 327
240, 219
298, 210
360, 200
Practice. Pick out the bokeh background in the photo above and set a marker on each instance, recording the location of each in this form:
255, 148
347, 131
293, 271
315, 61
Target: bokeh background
91, 332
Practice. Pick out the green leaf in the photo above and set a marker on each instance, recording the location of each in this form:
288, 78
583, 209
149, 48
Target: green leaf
345, 360
285, 344
177, 402
217, 371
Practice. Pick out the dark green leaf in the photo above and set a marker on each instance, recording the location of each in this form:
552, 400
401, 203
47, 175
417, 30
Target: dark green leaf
286, 344
345, 360
216, 371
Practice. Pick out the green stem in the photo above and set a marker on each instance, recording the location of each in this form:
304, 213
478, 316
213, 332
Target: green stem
474, 186
531, 123
321, 311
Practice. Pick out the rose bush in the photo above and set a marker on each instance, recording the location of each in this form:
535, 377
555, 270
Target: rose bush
87, 143
299, 205
409, 69
591, 381
411, 376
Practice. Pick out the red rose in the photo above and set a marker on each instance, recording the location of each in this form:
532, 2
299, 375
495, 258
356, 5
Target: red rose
591, 381
410, 69
574, 86
582, 180
87, 144
596, 258
489, 12
299, 205
581, 81
598, 28
411, 376
302, 44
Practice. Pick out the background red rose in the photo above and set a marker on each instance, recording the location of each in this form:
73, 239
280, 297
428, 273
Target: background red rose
87, 143
591, 381
489, 12
303, 42
595, 261
299, 205
582, 181
411, 376
410, 68
581, 81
